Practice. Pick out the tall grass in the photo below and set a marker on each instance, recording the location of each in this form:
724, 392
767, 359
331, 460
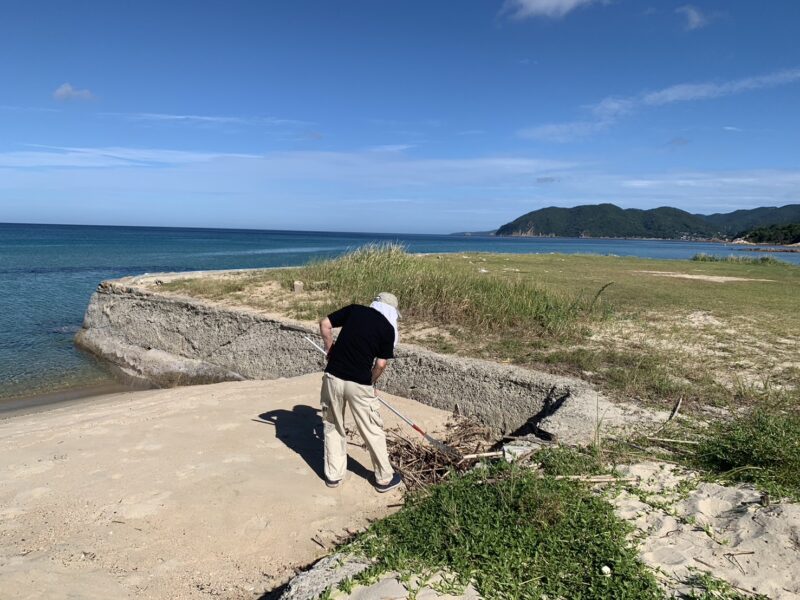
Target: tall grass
741, 260
443, 293
760, 446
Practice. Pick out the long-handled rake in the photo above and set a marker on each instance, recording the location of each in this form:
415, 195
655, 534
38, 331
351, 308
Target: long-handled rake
444, 448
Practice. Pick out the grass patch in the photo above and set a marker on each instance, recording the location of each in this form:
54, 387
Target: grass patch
432, 292
209, 287
560, 460
761, 447
521, 537
705, 586
742, 260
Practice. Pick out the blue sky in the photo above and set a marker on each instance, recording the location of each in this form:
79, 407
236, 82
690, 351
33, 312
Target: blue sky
398, 116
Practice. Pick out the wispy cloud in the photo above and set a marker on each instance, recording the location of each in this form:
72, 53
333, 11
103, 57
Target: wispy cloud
564, 132
608, 111
732, 128
702, 91
554, 9
391, 148
329, 190
695, 19
678, 141
387, 168
190, 119
28, 108
76, 157
66, 92
765, 187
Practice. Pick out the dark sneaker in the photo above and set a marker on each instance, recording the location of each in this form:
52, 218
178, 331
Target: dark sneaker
333, 484
395, 481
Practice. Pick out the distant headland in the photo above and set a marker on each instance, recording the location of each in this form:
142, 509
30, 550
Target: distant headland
611, 221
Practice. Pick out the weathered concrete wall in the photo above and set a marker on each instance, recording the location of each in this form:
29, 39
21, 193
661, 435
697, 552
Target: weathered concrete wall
170, 340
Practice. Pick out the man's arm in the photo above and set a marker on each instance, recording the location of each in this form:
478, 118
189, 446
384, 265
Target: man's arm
326, 331
377, 370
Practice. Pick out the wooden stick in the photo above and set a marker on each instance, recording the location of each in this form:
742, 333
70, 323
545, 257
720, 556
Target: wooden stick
598, 478
528, 438
481, 455
672, 415
584, 479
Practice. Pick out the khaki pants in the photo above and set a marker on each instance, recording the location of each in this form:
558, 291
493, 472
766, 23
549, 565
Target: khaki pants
336, 393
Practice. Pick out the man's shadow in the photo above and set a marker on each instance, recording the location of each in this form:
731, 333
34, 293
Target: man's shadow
301, 429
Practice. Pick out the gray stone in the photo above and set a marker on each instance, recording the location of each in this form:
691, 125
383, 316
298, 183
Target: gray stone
388, 588
327, 573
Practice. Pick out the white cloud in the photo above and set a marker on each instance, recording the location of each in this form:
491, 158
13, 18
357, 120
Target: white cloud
66, 92
695, 19
731, 128
609, 110
554, 9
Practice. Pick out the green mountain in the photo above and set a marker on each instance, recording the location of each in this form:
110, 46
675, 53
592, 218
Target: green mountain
743, 220
609, 220
774, 234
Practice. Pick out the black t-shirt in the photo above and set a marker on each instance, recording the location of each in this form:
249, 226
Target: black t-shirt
366, 335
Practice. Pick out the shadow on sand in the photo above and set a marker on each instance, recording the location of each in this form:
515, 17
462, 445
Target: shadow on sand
302, 431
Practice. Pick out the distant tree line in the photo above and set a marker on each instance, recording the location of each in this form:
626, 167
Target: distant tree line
774, 234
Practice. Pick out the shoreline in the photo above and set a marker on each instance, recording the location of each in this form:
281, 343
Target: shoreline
25, 405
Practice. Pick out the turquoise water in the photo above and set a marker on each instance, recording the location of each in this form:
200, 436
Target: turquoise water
48, 272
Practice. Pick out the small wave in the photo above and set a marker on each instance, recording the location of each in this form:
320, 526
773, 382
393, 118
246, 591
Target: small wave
297, 250
66, 329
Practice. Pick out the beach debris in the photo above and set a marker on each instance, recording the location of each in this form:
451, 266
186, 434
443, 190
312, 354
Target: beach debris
423, 464
297, 287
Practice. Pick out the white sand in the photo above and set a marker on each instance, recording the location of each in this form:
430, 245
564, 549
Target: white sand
717, 529
180, 493
712, 278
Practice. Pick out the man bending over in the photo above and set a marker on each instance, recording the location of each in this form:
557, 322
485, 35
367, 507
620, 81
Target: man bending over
355, 362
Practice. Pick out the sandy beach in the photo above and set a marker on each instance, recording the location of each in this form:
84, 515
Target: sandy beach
177, 493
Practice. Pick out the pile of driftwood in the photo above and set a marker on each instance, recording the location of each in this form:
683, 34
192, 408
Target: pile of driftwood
423, 464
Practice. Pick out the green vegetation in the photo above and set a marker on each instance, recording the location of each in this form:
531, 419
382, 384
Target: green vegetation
761, 446
774, 234
448, 295
521, 536
744, 220
741, 260
662, 330
705, 586
608, 220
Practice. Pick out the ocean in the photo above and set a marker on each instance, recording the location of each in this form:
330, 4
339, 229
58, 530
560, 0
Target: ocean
48, 273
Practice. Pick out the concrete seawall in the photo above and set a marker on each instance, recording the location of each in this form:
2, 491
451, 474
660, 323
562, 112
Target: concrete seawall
170, 340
